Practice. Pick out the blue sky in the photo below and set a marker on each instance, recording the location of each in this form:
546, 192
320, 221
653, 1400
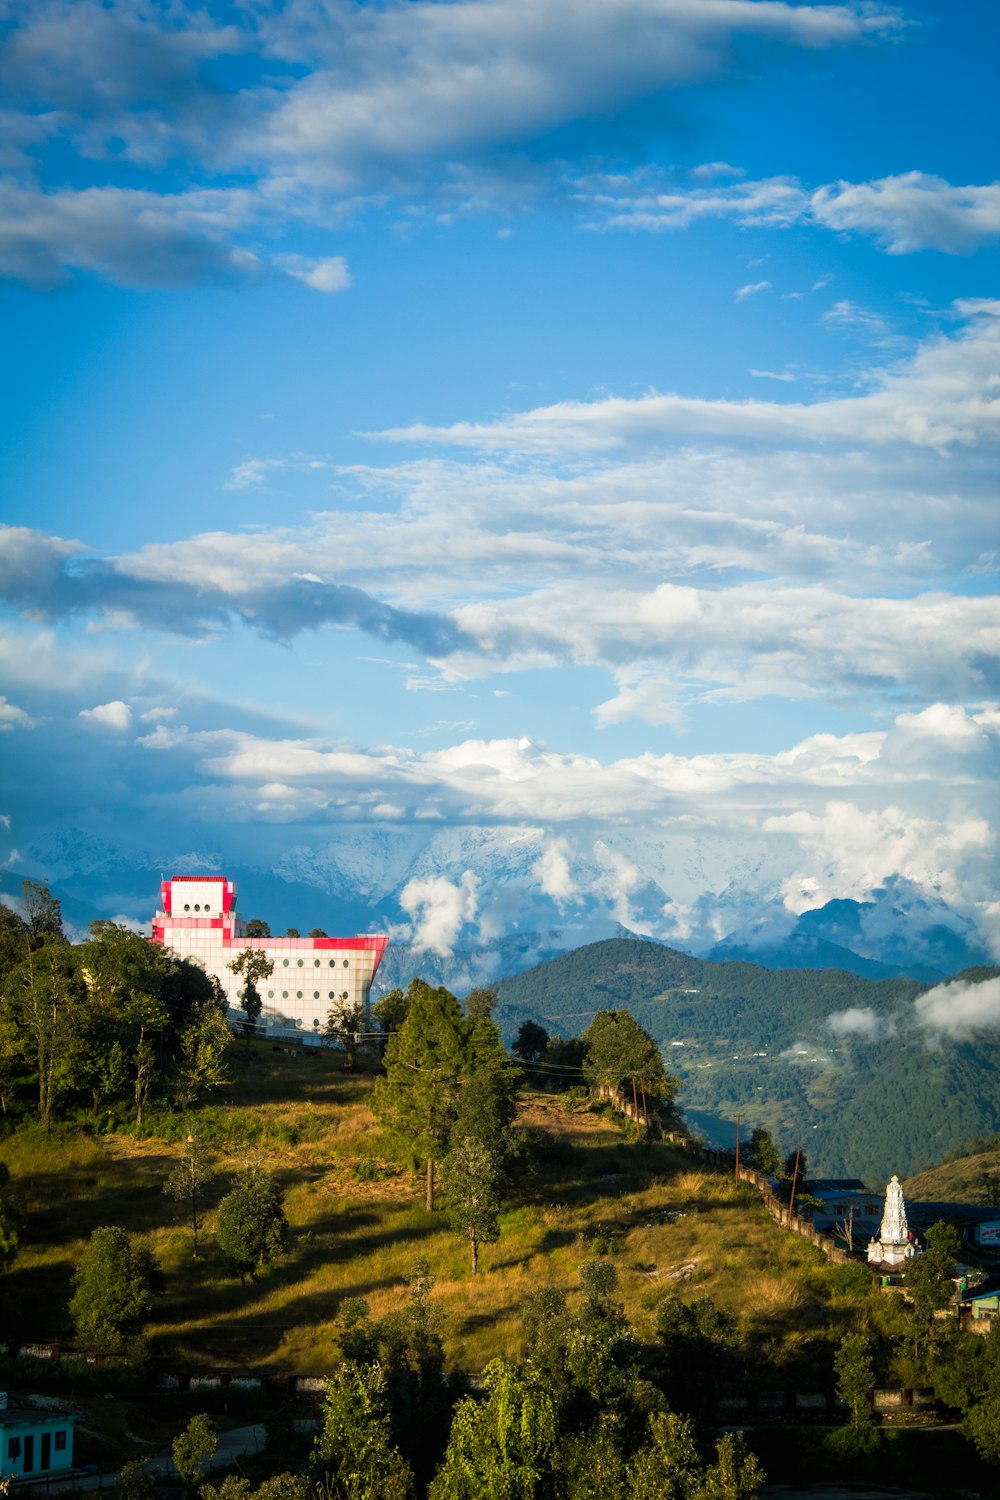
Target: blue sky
505, 414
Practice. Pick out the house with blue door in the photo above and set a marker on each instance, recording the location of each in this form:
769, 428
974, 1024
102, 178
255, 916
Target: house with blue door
34, 1442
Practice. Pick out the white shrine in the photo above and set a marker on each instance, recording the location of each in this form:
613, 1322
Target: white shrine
895, 1242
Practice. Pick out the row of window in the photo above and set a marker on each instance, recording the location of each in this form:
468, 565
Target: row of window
316, 996
197, 907
316, 963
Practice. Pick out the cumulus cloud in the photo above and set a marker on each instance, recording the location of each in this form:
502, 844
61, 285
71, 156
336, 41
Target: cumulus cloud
961, 1010
553, 871
115, 715
439, 909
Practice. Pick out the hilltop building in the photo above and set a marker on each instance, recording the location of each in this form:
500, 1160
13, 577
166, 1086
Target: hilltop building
311, 975
894, 1244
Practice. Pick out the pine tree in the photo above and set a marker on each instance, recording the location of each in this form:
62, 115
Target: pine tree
417, 1100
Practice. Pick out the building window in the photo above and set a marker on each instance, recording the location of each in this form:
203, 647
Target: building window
14, 1448
315, 963
315, 994
285, 962
186, 906
332, 962
298, 994
270, 994
332, 995
347, 963
284, 994
59, 1442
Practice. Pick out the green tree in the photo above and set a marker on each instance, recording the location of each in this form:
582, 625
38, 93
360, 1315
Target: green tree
623, 1059
113, 1293
203, 1044
487, 1099
697, 1340
531, 1044
42, 911
736, 1473
928, 1279
472, 1175
251, 1227
255, 928
253, 965
501, 1448
762, 1153
192, 1449
317, 932
982, 1426
187, 1182
292, 932
417, 1100
855, 1371
668, 1466
46, 996
389, 1011
135, 1480
345, 1024
354, 1457
481, 1002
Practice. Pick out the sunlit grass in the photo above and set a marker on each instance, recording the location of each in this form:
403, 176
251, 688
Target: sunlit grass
358, 1224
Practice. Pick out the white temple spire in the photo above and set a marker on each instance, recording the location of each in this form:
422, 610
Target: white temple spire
894, 1243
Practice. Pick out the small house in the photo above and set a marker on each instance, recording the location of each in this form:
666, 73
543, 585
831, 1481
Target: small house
34, 1441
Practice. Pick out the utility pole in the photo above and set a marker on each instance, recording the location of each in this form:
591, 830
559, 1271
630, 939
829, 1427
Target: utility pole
738, 1119
645, 1112
795, 1178
635, 1102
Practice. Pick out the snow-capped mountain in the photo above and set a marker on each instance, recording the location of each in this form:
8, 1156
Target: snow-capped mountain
472, 903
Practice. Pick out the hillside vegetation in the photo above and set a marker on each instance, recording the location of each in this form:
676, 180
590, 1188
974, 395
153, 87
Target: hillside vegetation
358, 1223
752, 1040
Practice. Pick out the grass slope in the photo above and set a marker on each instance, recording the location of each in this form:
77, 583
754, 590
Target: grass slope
358, 1224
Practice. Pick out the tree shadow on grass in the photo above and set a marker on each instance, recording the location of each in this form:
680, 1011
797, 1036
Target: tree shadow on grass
33, 1302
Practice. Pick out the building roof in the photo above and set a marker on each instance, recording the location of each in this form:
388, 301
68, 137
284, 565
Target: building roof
17, 1415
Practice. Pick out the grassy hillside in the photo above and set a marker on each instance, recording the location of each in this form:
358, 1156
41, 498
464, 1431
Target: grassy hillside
756, 1041
358, 1224
969, 1176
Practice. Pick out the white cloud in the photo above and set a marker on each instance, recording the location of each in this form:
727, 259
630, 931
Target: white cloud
905, 213
960, 1010
341, 107
938, 397
116, 715
439, 909
12, 717
329, 275
855, 1021
553, 872
912, 211
750, 290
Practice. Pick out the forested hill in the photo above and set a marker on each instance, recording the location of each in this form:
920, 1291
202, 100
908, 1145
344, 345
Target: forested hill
822, 1057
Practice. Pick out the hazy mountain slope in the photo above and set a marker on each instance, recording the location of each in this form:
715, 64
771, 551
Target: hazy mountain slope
742, 1038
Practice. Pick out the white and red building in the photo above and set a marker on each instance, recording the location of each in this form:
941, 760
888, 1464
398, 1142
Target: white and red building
311, 977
